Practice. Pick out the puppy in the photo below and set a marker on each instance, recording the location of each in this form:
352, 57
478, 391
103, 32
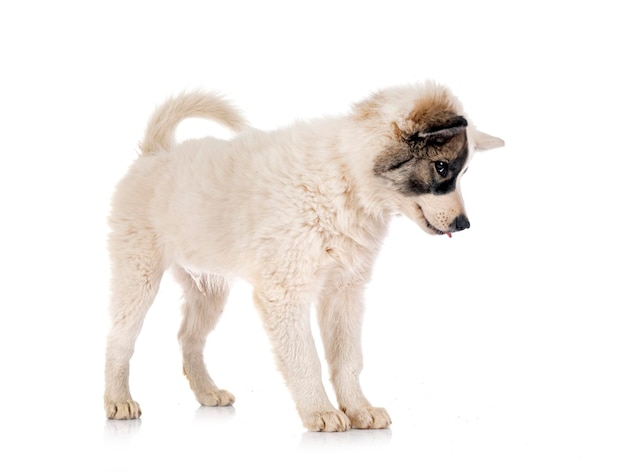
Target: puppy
300, 213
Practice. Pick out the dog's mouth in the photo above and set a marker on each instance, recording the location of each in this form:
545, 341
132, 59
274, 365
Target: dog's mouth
447, 233
428, 226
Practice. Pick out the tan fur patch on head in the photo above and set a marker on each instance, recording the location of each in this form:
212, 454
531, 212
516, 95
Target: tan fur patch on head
407, 109
431, 110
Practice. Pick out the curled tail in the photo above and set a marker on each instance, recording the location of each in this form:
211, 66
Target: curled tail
162, 125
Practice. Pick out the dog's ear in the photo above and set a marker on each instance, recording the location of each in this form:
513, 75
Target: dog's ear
441, 131
484, 141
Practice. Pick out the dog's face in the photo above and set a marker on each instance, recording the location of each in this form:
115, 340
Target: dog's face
427, 153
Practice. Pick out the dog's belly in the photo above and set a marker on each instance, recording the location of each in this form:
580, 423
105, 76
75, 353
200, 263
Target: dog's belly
250, 262
207, 259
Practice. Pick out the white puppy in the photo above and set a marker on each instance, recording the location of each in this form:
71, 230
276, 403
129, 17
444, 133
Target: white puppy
300, 213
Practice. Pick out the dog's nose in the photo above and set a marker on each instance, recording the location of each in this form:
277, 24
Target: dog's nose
460, 223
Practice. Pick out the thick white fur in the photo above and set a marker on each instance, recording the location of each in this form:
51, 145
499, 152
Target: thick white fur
296, 212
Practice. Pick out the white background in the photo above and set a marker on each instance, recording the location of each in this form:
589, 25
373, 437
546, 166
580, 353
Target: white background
500, 349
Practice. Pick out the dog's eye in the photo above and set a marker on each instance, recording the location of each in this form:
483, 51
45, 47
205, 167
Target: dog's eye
441, 168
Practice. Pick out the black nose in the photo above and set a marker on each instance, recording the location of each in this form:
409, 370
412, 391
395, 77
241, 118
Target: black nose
460, 223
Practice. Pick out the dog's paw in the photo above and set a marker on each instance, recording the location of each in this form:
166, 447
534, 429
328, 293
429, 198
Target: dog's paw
369, 417
327, 421
123, 410
215, 398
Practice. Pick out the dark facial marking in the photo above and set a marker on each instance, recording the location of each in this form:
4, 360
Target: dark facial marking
428, 159
436, 173
403, 162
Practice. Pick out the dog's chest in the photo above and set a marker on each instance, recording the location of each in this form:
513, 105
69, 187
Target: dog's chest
350, 237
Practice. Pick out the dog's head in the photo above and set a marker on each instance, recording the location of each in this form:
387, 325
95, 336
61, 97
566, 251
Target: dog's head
427, 148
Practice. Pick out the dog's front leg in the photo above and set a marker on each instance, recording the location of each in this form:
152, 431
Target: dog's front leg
286, 318
340, 313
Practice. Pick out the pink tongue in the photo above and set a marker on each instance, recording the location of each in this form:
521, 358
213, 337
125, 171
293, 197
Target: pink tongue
449, 234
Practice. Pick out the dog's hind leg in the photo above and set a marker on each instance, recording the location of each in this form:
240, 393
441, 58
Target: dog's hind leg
137, 268
205, 297
340, 313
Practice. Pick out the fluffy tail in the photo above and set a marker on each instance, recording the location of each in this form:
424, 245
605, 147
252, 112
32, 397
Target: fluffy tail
162, 125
